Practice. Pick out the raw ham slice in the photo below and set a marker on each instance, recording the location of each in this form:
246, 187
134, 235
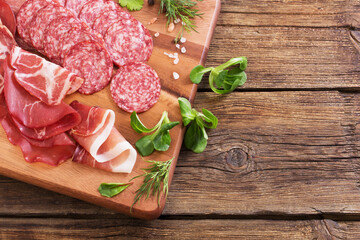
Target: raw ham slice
98, 136
52, 151
7, 17
42, 79
6, 42
36, 119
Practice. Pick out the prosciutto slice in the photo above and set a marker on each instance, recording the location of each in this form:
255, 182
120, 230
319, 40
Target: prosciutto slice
52, 151
34, 118
6, 42
43, 79
102, 146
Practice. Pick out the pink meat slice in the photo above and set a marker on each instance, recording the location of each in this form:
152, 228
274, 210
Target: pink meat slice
90, 11
43, 79
75, 5
35, 119
26, 14
135, 87
42, 20
128, 41
102, 146
6, 42
90, 61
56, 30
106, 19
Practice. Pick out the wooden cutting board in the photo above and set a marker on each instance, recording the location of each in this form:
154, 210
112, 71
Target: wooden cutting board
81, 181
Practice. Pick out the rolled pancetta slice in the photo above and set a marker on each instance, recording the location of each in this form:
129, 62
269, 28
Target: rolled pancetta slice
102, 145
43, 79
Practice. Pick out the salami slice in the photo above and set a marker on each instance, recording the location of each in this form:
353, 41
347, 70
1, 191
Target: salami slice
106, 19
26, 15
71, 38
55, 32
90, 11
127, 42
42, 20
90, 61
135, 87
75, 5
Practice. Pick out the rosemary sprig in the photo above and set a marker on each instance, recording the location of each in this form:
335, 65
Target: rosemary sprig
155, 174
185, 10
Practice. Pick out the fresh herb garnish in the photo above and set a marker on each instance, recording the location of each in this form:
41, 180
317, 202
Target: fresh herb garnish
195, 137
160, 140
112, 189
155, 175
226, 80
185, 10
132, 5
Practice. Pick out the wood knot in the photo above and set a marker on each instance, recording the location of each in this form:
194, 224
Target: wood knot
239, 159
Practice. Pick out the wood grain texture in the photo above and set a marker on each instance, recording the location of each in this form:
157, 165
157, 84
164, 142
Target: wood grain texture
81, 181
273, 153
173, 229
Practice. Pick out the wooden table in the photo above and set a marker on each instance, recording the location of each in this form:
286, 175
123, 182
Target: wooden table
284, 161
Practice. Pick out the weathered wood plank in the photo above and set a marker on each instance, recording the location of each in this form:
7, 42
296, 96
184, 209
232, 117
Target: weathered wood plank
273, 153
289, 57
54, 228
325, 13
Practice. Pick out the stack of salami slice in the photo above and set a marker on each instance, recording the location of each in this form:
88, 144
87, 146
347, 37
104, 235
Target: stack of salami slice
56, 32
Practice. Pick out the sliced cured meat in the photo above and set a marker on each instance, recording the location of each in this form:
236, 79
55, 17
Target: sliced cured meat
73, 37
135, 87
117, 165
26, 15
43, 79
106, 19
91, 10
128, 41
42, 20
98, 136
75, 5
6, 42
7, 17
36, 119
54, 33
62, 2
90, 61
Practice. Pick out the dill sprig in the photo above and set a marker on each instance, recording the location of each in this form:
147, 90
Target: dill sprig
155, 174
185, 10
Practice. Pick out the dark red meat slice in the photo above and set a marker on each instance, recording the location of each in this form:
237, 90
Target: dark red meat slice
128, 41
106, 19
42, 20
73, 37
37, 119
54, 34
90, 61
26, 14
7, 17
6, 42
75, 5
90, 11
135, 87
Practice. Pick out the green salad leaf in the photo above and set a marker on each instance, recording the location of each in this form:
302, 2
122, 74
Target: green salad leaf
112, 189
222, 80
132, 5
159, 140
195, 136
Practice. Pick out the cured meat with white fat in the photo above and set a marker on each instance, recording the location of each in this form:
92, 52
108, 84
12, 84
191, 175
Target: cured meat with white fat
92, 62
54, 34
106, 19
26, 15
128, 41
105, 147
45, 80
95, 8
6, 42
52, 151
7, 17
42, 20
135, 87
34, 118
75, 5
